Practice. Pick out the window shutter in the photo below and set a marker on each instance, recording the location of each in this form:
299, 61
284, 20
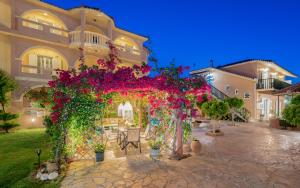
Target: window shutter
56, 63
32, 60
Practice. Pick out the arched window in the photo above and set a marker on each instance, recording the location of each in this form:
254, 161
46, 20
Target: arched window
126, 111
41, 17
127, 44
42, 60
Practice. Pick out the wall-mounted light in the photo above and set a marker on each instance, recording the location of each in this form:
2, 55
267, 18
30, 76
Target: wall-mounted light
33, 120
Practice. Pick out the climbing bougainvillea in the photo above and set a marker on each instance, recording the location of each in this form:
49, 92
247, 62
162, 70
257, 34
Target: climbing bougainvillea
79, 96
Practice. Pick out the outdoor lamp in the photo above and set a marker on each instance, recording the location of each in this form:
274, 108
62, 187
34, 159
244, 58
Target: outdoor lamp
38, 153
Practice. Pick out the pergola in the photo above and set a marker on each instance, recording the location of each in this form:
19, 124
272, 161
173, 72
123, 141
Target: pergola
291, 90
79, 97
288, 91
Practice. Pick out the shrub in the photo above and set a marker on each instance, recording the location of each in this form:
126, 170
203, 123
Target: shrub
292, 112
155, 144
235, 103
7, 84
7, 121
99, 148
215, 109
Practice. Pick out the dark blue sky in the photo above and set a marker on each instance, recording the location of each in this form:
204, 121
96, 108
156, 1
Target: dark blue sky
195, 31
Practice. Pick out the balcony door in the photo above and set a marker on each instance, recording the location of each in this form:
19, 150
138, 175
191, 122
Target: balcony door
44, 63
266, 108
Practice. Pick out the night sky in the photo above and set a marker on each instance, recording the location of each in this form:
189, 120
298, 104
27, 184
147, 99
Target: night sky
196, 31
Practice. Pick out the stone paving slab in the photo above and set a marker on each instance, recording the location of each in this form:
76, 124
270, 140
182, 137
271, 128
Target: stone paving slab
247, 156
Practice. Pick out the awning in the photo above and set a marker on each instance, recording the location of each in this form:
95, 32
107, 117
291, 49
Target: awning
291, 90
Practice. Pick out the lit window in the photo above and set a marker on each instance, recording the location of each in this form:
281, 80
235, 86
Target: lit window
246, 95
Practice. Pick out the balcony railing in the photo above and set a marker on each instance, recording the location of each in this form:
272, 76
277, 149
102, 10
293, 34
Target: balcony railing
91, 39
271, 84
128, 50
41, 31
29, 69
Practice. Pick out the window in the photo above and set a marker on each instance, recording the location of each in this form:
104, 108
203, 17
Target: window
236, 92
246, 95
44, 63
227, 88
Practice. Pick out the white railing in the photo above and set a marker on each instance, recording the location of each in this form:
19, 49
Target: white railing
91, 39
128, 49
36, 70
25, 23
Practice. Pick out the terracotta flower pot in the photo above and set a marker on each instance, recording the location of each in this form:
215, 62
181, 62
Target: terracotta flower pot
196, 147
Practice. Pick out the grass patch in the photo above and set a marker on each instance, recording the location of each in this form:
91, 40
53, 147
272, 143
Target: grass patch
17, 158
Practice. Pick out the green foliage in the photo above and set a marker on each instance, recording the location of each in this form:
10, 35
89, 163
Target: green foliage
215, 109
99, 148
7, 121
84, 110
155, 144
40, 98
7, 84
53, 132
235, 103
292, 112
187, 131
204, 99
296, 100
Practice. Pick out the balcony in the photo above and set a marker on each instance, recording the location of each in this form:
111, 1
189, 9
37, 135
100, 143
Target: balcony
41, 31
91, 40
131, 53
271, 84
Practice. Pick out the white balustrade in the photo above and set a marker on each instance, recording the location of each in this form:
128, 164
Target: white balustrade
91, 39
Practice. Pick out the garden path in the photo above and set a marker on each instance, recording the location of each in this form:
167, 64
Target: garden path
250, 155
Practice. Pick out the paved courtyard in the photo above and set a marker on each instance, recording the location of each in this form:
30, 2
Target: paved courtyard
246, 156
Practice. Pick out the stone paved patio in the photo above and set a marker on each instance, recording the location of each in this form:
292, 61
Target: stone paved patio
246, 156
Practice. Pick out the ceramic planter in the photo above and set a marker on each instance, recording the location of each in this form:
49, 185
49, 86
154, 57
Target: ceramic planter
99, 156
155, 153
196, 147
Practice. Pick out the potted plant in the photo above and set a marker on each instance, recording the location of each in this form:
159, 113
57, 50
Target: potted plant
216, 110
196, 146
155, 148
99, 151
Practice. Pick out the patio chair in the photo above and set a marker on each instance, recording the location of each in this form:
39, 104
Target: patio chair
146, 133
121, 125
132, 137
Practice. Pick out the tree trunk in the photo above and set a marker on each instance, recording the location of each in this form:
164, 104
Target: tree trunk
2, 105
178, 142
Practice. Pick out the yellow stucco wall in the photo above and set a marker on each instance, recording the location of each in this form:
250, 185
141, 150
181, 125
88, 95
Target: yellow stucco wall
223, 80
5, 53
5, 16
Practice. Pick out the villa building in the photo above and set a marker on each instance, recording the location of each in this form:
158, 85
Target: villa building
36, 38
255, 81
